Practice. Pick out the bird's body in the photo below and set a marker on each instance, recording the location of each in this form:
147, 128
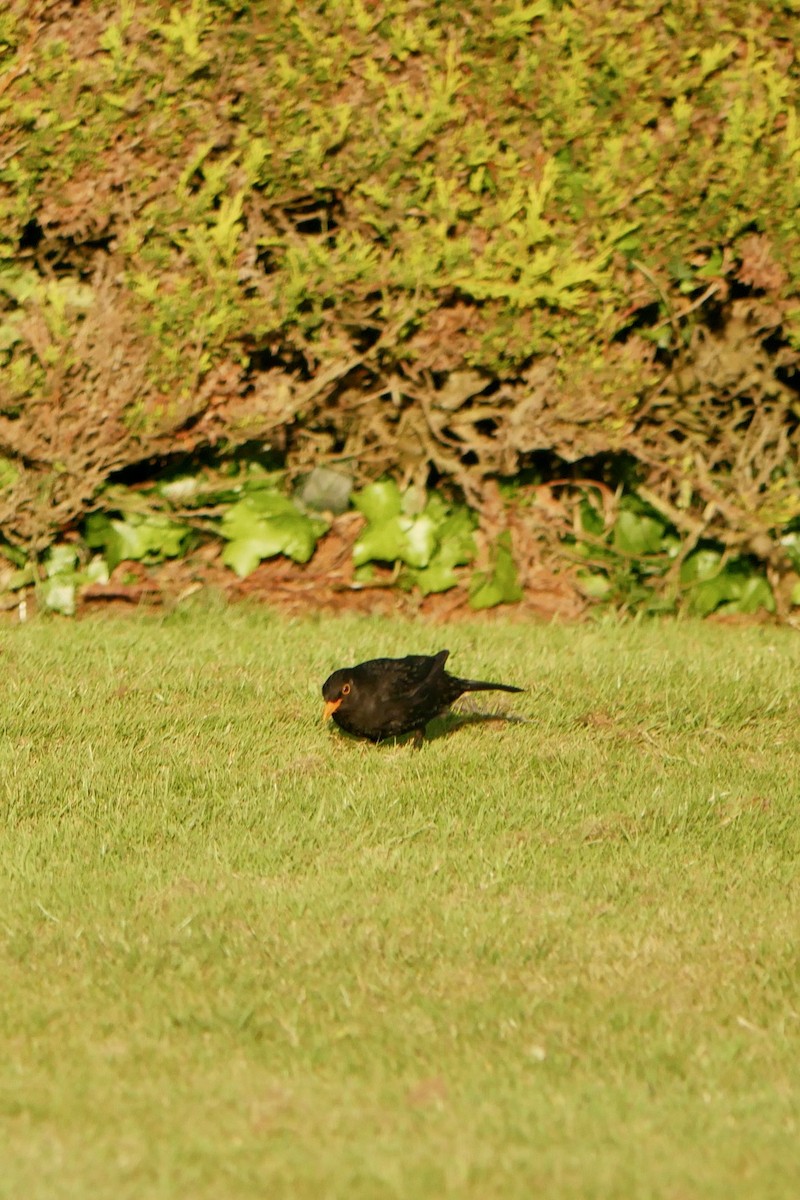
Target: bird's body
388, 697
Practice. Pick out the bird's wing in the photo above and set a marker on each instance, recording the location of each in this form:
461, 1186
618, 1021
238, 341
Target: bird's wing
423, 671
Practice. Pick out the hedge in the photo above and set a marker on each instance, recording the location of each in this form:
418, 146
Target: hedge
446, 242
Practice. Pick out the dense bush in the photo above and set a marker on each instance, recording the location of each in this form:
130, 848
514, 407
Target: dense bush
399, 237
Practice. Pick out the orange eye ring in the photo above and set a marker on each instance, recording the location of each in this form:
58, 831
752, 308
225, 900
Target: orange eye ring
346, 689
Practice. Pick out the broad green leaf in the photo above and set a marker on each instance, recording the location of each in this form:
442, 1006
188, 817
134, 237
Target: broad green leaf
267, 501
416, 500
594, 584
181, 490
709, 594
162, 538
437, 508
96, 530
61, 559
735, 590
117, 538
753, 593
500, 585
382, 542
591, 519
21, 578
704, 564
135, 537
484, 591
379, 501
243, 555
439, 576
791, 544
243, 518
411, 541
58, 594
291, 533
299, 535
420, 542
97, 570
635, 533
456, 537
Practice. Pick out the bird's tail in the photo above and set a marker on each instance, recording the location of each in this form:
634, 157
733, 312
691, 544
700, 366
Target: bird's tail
481, 685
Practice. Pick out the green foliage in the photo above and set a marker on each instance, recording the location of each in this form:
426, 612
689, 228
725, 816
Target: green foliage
635, 559
136, 538
499, 585
716, 585
63, 575
429, 544
265, 523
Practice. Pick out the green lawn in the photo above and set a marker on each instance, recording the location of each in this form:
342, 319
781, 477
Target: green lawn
245, 956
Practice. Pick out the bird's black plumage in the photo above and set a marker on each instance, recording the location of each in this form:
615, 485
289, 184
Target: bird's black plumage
387, 697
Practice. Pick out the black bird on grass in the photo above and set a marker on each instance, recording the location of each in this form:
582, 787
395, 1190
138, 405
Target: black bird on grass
387, 697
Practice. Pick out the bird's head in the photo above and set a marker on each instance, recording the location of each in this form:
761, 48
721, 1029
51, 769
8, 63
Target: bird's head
335, 691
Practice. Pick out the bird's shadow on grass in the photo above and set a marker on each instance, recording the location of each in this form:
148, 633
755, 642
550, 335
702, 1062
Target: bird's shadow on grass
442, 727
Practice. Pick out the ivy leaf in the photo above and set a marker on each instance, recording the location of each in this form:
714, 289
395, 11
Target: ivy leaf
181, 490
244, 554
420, 542
755, 594
135, 537
635, 533
299, 533
163, 538
398, 538
118, 539
242, 518
58, 594
273, 525
438, 576
379, 502
594, 584
591, 519
383, 541
97, 570
738, 588
60, 560
500, 585
791, 544
456, 537
703, 564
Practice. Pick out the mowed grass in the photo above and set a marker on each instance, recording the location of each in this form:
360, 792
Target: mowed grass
245, 956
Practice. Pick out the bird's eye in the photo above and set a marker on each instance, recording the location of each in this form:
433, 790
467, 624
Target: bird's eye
346, 689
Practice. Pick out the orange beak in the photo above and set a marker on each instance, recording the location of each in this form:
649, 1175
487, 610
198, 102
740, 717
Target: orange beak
330, 708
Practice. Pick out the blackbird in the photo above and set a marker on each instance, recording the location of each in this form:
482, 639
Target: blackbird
387, 697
